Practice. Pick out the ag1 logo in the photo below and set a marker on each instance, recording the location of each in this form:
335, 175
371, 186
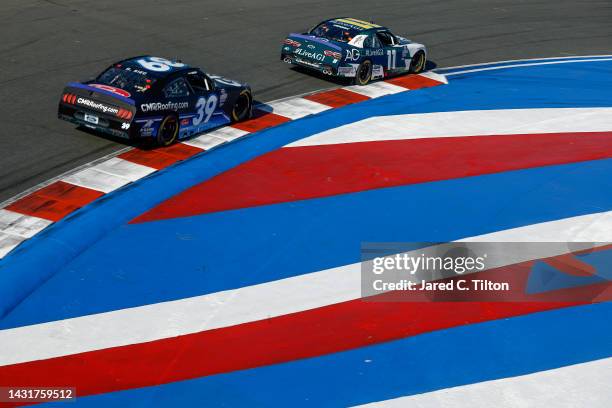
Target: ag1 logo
158, 64
352, 55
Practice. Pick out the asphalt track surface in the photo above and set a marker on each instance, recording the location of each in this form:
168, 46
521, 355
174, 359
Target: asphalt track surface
48, 43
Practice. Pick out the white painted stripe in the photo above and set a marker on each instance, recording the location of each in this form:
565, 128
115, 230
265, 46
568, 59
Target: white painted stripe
109, 175
24, 226
580, 385
62, 176
294, 108
8, 242
125, 169
96, 180
376, 89
228, 133
435, 76
525, 65
205, 142
252, 303
466, 123
483, 64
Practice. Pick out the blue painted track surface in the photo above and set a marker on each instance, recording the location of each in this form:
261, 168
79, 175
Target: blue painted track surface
95, 261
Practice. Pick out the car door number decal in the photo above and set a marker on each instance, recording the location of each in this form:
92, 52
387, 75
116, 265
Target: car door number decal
391, 59
206, 108
158, 64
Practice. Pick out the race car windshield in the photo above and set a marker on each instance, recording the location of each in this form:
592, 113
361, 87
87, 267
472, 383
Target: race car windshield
335, 32
126, 80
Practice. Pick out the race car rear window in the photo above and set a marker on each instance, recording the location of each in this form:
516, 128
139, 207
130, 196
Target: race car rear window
125, 79
335, 32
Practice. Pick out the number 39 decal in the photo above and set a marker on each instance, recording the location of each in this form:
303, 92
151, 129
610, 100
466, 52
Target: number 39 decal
159, 64
205, 108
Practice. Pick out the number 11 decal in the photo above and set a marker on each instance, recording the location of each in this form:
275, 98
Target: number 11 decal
391, 58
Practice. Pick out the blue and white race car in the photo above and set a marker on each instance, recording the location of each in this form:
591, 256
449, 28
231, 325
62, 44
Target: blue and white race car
347, 47
155, 98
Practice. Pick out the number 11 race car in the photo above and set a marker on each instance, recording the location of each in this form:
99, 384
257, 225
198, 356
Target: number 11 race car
155, 98
347, 47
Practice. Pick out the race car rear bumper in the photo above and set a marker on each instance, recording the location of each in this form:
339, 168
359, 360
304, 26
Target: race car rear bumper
326, 69
104, 124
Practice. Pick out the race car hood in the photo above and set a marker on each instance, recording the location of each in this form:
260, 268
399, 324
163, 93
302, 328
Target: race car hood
228, 84
314, 49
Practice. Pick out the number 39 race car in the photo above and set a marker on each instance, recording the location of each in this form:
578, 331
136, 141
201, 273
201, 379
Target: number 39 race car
157, 98
347, 47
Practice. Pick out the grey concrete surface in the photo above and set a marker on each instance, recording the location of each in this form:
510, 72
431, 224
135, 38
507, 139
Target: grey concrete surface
46, 43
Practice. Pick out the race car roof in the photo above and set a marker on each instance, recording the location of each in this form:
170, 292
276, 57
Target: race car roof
354, 23
155, 66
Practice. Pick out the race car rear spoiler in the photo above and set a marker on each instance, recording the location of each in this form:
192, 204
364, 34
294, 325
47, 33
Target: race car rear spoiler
98, 100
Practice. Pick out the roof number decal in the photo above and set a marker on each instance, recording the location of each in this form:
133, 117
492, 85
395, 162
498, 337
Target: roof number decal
158, 64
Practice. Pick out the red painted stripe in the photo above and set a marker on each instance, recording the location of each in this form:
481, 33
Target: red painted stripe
571, 265
261, 120
414, 82
307, 334
162, 157
54, 201
336, 98
300, 173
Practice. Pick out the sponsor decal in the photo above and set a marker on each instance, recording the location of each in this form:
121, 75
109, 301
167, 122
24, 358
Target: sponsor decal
334, 54
292, 43
355, 23
312, 47
147, 128
112, 89
308, 63
358, 40
163, 106
374, 52
97, 105
378, 71
222, 96
312, 55
347, 71
185, 122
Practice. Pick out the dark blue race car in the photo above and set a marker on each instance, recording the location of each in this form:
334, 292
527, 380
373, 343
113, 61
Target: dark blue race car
347, 47
155, 98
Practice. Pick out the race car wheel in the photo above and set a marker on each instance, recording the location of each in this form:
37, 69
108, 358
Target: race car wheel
168, 131
417, 65
243, 108
364, 73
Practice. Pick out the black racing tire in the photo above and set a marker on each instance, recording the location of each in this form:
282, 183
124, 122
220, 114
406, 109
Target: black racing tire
168, 130
243, 107
364, 73
417, 65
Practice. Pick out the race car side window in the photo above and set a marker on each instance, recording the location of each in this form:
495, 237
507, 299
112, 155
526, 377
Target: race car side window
386, 38
198, 82
176, 89
210, 85
375, 42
